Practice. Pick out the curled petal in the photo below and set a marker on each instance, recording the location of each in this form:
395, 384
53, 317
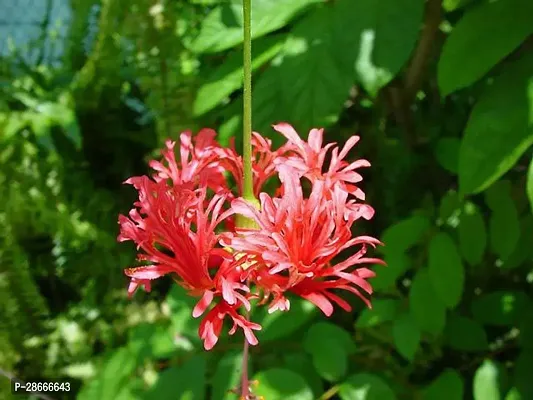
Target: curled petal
203, 304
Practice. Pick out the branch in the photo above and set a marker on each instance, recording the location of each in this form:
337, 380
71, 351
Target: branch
414, 75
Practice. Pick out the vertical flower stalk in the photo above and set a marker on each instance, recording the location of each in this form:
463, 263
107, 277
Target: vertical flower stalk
248, 192
247, 188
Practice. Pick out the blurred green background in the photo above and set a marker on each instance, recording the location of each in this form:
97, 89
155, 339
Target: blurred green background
441, 93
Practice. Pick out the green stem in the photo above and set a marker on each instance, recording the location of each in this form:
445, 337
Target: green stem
248, 184
247, 189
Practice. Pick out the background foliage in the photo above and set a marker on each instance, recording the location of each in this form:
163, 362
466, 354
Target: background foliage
442, 95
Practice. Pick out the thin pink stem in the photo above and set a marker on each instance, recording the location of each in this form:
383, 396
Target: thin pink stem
245, 383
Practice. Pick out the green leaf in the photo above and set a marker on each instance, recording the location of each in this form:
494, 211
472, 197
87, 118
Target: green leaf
228, 76
522, 250
403, 235
227, 375
448, 386
447, 153
309, 82
522, 374
475, 44
222, 28
186, 382
446, 270
514, 394
504, 223
365, 387
112, 376
500, 127
63, 116
406, 336
181, 305
383, 310
472, 234
329, 359
152, 340
500, 307
465, 334
397, 264
282, 384
302, 364
282, 324
320, 330
487, 382
329, 347
381, 51
529, 185
449, 208
427, 309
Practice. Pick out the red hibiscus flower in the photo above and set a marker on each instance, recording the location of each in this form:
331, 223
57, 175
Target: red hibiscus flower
299, 243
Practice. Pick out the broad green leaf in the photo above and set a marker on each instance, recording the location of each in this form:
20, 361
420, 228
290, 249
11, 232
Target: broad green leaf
112, 376
465, 334
383, 310
529, 185
329, 347
472, 234
320, 330
449, 208
222, 28
476, 44
152, 340
397, 264
500, 127
186, 382
131, 390
504, 223
446, 270
403, 235
500, 307
227, 375
514, 394
447, 153
522, 374
330, 359
228, 76
381, 51
487, 382
310, 81
448, 386
406, 336
281, 324
427, 309
497, 193
523, 248
365, 387
282, 384
302, 364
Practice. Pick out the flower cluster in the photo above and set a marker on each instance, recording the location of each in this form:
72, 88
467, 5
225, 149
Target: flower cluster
184, 225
